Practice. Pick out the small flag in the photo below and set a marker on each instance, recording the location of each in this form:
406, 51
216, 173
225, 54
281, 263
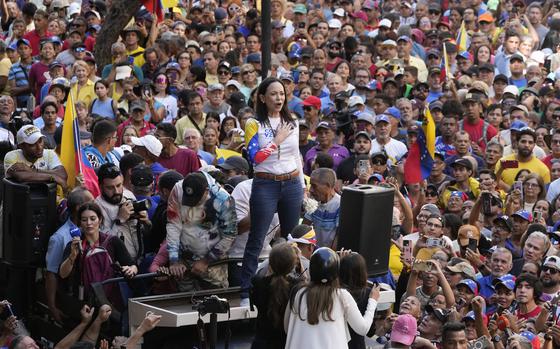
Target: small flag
420, 159
463, 40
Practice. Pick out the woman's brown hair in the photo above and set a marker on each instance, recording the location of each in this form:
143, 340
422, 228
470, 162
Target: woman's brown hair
282, 261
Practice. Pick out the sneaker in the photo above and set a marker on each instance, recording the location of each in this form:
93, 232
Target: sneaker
244, 303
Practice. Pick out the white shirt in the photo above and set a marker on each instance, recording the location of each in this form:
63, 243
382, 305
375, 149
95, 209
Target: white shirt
170, 104
49, 160
241, 194
395, 150
327, 334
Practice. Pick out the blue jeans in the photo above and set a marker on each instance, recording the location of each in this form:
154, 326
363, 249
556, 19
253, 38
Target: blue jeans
267, 198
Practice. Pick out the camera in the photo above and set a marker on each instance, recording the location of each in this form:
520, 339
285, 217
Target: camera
211, 305
140, 205
343, 115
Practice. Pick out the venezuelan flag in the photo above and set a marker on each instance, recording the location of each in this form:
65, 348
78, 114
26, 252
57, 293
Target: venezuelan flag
71, 154
463, 39
252, 139
445, 65
420, 159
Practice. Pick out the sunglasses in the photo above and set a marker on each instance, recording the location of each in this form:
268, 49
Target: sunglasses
550, 270
161, 80
248, 72
80, 49
307, 108
223, 72
213, 43
379, 162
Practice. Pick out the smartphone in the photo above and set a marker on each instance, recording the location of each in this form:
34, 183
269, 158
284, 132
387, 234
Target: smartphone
434, 242
363, 166
395, 232
537, 215
147, 92
510, 164
519, 186
472, 245
407, 251
301, 25
130, 60
486, 204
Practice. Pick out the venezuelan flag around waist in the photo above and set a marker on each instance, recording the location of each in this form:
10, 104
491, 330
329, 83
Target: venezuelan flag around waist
71, 155
420, 159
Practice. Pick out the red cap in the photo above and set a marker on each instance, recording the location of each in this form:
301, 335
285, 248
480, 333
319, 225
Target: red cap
361, 15
312, 101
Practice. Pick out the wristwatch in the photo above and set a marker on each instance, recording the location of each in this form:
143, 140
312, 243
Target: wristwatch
496, 339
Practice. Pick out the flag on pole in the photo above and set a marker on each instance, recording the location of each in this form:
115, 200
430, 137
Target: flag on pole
154, 6
71, 155
420, 159
463, 40
445, 65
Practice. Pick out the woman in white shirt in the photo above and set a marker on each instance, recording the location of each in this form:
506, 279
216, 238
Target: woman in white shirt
317, 315
272, 141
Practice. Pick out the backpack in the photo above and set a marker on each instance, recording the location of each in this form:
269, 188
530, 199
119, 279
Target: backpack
96, 267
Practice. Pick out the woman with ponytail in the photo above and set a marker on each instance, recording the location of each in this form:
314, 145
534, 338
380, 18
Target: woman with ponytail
270, 294
317, 315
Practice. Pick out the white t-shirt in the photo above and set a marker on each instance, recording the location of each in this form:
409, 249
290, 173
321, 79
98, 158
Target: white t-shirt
49, 161
395, 150
170, 104
241, 194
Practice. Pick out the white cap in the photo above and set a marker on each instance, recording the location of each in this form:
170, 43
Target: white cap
512, 89
339, 12
74, 8
234, 83
389, 42
95, 13
151, 143
537, 56
192, 43
385, 23
29, 134
354, 101
335, 24
123, 72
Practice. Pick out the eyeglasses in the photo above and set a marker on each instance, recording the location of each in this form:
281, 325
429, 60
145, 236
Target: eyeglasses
531, 185
213, 43
223, 72
379, 162
555, 141
248, 72
80, 49
308, 108
549, 270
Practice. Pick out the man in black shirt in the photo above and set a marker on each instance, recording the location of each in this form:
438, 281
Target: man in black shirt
305, 143
345, 171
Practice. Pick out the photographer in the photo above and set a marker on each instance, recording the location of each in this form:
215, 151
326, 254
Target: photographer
119, 216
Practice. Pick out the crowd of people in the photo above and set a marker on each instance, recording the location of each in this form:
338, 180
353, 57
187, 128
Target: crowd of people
215, 174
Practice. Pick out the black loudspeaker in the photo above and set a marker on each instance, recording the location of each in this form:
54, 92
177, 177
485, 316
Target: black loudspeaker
29, 219
366, 217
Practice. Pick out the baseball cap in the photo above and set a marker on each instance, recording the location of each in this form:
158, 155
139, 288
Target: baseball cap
29, 134
300, 8
141, 176
254, 58
486, 66
234, 83
151, 143
235, 163
404, 38
467, 232
553, 261
504, 219
23, 41
462, 162
123, 72
394, 112
517, 125
389, 42
137, 105
339, 12
365, 116
220, 13
381, 118
324, 124
404, 329
508, 281
470, 97
385, 23
433, 52
379, 154
439, 314
335, 24
362, 134
520, 107
517, 56
312, 101
194, 185
471, 285
486, 17
433, 209
501, 77
437, 104
359, 15
173, 66
303, 123
354, 101
55, 64
532, 338
526, 215
463, 268
287, 76
277, 24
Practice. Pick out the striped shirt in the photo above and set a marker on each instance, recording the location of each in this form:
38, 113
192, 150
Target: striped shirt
21, 78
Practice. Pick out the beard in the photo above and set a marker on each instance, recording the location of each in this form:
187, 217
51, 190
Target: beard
115, 199
524, 152
549, 283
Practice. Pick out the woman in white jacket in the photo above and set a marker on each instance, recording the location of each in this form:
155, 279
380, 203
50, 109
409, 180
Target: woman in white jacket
317, 315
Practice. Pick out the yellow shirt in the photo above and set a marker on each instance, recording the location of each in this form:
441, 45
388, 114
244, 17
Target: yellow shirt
395, 264
534, 165
5, 65
474, 188
138, 56
185, 123
86, 93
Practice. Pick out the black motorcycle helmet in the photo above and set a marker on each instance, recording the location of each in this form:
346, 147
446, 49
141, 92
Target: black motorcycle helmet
323, 266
